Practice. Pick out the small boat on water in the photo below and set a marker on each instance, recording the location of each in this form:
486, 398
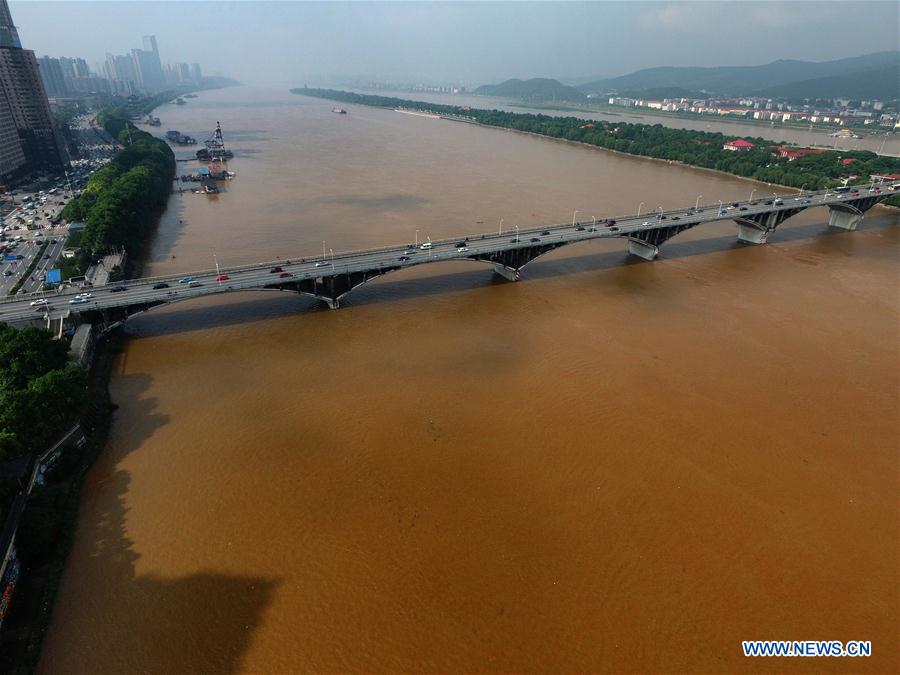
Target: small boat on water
179, 101
339, 111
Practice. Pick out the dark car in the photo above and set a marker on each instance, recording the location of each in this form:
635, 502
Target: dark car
612, 222
460, 244
579, 228
535, 239
275, 270
284, 275
404, 258
743, 208
769, 203
676, 217
735, 204
545, 233
117, 289
156, 287
614, 229
514, 240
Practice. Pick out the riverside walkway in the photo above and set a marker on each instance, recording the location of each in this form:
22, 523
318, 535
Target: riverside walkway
330, 279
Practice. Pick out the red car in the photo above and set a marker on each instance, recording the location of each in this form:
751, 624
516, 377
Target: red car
222, 277
275, 269
285, 274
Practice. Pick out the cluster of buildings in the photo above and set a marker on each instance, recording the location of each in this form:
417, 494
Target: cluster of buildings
867, 113
139, 72
29, 139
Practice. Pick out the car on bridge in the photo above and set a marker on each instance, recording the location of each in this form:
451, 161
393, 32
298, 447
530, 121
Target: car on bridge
160, 285
535, 239
223, 277
185, 280
545, 233
275, 270
285, 275
39, 301
462, 249
117, 289
425, 246
323, 263
194, 284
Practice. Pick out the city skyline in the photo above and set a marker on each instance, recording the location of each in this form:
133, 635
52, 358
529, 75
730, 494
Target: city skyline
462, 42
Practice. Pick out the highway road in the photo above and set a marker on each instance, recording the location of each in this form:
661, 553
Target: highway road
258, 276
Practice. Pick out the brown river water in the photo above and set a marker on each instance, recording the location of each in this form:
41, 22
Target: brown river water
612, 465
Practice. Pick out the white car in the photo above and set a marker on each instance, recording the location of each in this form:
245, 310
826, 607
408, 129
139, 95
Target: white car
77, 301
41, 301
425, 246
462, 249
323, 263
84, 295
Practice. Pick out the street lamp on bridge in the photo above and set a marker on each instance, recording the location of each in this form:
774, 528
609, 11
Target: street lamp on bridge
593, 223
417, 239
751, 194
697, 203
500, 232
640, 206
573, 218
517, 234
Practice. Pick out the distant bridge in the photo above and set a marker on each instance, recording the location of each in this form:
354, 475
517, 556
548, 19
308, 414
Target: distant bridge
331, 279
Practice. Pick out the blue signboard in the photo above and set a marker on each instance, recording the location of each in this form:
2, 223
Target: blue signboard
54, 276
9, 258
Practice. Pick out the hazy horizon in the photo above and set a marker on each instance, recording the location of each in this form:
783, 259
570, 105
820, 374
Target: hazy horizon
465, 43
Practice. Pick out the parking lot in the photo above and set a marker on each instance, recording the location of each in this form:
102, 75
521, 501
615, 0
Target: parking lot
30, 217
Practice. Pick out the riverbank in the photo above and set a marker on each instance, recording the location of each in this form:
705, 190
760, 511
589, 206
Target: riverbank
31, 606
695, 117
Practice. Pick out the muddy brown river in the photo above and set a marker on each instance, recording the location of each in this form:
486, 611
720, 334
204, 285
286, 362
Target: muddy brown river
612, 465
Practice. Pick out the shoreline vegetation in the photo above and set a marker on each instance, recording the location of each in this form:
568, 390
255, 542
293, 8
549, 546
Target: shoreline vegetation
122, 202
701, 149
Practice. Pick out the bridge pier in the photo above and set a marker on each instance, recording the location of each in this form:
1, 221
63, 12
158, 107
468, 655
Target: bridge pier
846, 220
752, 235
642, 249
508, 273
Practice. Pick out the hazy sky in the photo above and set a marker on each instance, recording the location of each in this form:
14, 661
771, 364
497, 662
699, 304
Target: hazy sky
465, 42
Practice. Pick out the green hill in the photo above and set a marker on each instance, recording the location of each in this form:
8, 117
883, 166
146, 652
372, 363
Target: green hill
879, 83
537, 89
746, 80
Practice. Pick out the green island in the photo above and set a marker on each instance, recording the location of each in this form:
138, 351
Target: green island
704, 149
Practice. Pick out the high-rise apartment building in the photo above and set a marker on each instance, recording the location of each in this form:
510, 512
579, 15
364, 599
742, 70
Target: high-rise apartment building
26, 99
52, 76
12, 158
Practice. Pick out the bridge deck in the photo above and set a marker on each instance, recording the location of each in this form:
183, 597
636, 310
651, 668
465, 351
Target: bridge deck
642, 230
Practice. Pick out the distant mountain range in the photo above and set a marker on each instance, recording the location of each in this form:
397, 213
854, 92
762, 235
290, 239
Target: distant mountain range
537, 89
870, 76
